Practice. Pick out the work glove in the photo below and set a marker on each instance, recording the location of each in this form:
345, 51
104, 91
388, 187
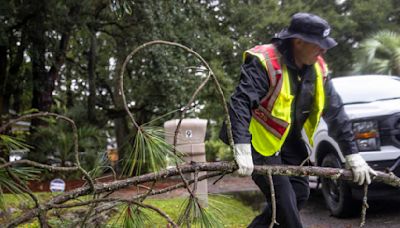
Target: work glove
361, 170
242, 154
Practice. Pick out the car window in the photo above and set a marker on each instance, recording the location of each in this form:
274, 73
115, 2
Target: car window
361, 89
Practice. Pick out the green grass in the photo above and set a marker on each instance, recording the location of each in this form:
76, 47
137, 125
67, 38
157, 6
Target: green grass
232, 212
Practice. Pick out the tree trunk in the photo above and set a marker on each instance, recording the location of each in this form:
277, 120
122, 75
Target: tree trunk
3, 78
41, 98
41, 94
68, 84
14, 83
43, 81
92, 78
121, 123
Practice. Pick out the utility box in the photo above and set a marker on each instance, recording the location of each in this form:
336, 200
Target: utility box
190, 142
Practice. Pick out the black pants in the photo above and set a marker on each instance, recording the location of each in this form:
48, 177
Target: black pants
291, 193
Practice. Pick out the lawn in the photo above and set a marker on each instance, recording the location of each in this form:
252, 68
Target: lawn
231, 212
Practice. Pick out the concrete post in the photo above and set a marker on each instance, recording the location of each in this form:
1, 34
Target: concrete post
191, 144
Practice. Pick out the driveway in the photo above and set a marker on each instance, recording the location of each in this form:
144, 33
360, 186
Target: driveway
380, 214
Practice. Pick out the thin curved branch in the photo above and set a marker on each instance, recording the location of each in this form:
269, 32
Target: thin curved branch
105, 200
74, 132
39, 165
210, 74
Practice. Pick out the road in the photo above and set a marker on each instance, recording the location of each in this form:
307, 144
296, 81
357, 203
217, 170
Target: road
379, 214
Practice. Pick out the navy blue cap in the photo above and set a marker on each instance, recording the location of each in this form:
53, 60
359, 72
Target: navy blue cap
310, 28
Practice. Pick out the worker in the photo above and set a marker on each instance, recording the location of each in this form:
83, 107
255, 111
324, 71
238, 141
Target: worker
283, 92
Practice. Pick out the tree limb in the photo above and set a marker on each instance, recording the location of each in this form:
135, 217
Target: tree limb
324, 172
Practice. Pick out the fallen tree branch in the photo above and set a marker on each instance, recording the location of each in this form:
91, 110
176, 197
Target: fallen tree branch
364, 206
324, 172
273, 201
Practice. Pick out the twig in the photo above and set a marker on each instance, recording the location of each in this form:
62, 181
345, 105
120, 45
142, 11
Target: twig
273, 200
196, 175
364, 205
103, 200
309, 150
39, 165
74, 133
149, 191
145, 187
114, 175
161, 191
183, 111
219, 178
42, 215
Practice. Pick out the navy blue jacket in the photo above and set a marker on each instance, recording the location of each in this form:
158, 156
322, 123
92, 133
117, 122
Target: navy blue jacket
254, 85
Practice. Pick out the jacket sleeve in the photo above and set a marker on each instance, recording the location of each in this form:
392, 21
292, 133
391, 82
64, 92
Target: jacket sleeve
253, 86
339, 125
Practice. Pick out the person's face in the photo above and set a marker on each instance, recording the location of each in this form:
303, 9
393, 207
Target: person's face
306, 53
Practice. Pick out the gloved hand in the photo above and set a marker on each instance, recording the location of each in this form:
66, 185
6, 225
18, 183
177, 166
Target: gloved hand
242, 154
361, 170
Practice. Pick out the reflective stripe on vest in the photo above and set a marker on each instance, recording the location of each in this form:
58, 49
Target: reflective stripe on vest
271, 121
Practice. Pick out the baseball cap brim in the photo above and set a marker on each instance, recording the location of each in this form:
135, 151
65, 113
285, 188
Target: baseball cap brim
325, 43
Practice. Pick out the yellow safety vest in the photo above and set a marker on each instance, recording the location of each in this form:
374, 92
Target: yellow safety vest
271, 120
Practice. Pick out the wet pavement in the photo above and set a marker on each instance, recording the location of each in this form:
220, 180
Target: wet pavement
384, 213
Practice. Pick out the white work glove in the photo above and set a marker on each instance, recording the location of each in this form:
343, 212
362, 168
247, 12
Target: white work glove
361, 170
242, 154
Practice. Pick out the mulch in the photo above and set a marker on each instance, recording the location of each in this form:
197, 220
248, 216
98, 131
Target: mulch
229, 183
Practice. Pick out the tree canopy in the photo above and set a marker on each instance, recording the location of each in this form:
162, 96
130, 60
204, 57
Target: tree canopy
66, 57
380, 53
59, 56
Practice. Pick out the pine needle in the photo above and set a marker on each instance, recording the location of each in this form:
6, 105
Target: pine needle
7, 183
150, 152
134, 217
193, 214
12, 143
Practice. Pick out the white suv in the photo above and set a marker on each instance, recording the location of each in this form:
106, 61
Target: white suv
372, 102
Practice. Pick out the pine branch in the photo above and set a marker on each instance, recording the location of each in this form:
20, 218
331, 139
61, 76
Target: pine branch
324, 172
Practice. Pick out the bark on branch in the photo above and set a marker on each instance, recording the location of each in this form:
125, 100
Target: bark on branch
334, 173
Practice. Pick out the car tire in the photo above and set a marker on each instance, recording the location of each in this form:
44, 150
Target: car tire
337, 193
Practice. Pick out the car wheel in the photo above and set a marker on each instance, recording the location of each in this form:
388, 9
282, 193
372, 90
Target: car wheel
337, 193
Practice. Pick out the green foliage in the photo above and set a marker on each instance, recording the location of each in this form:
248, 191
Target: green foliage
12, 143
234, 213
158, 79
192, 213
150, 152
54, 144
121, 7
134, 217
379, 54
7, 182
230, 211
24, 174
216, 150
